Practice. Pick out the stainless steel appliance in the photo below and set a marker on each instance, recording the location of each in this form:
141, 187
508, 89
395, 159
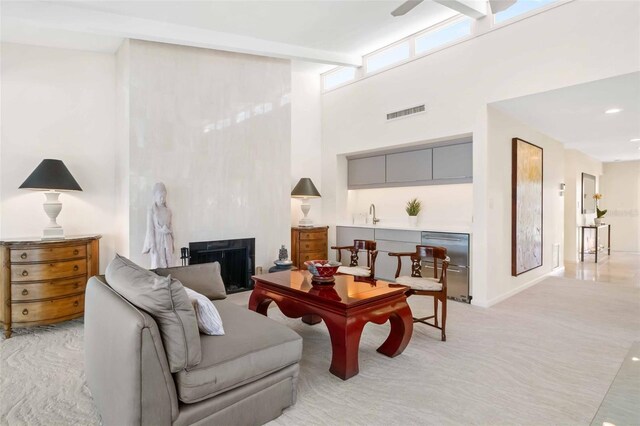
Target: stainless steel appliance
457, 246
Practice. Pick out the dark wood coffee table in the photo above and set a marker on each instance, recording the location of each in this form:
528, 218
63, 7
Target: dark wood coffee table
345, 308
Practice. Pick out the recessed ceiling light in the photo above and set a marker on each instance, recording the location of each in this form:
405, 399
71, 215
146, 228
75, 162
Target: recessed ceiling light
635, 140
635, 358
613, 111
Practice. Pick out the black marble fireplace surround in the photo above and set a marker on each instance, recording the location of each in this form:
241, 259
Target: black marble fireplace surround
236, 258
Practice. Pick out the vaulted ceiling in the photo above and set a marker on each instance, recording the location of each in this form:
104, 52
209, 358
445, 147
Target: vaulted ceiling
331, 32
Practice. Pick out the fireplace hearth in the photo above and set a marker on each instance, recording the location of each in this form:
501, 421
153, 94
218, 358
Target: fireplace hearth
236, 258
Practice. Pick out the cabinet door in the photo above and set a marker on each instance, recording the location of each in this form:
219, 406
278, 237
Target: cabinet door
414, 237
453, 161
409, 166
345, 236
367, 171
386, 266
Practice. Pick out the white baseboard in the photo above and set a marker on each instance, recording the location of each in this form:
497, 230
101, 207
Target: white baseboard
513, 292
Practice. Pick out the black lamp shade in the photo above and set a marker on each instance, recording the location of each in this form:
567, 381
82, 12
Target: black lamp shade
305, 188
51, 174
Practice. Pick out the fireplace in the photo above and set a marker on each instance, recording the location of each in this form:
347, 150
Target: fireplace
236, 258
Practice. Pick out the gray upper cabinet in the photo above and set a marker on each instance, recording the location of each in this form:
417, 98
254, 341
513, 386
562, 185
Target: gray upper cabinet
412, 166
367, 171
449, 162
453, 161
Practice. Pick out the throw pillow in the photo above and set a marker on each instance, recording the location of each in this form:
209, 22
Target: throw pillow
166, 300
209, 321
204, 278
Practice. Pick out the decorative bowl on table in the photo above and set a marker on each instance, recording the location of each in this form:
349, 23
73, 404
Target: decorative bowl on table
322, 270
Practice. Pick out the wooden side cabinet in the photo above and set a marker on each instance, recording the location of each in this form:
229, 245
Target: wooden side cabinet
308, 244
43, 281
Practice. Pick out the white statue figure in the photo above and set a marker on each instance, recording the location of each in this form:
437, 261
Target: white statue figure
159, 239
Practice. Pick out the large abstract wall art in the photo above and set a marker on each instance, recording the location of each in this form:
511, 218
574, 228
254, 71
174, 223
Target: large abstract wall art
526, 207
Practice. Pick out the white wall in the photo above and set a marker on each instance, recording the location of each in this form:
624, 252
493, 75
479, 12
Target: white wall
620, 188
59, 104
74, 106
544, 52
442, 205
121, 149
306, 136
577, 163
227, 175
502, 129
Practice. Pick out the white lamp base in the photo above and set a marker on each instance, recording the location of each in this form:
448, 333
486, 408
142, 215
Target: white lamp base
52, 208
305, 207
53, 234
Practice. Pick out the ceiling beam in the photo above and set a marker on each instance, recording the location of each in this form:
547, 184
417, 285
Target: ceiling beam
475, 9
81, 20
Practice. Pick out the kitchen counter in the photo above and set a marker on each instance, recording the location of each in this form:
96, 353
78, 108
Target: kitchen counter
428, 227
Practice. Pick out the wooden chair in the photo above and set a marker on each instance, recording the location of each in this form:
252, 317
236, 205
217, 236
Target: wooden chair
435, 286
353, 268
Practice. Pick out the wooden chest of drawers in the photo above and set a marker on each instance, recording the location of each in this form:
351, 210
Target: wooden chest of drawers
43, 281
308, 244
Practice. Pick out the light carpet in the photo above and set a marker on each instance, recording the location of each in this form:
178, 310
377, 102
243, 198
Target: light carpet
545, 356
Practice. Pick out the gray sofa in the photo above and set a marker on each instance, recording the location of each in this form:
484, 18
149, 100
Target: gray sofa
246, 377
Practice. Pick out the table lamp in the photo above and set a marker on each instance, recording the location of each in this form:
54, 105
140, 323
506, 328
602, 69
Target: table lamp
52, 176
305, 189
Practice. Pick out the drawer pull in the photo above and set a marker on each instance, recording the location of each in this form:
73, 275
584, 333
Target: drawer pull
25, 312
23, 256
25, 292
25, 273
76, 303
75, 252
76, 267
76, 285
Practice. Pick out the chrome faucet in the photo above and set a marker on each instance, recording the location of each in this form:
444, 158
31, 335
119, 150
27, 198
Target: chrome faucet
372, 207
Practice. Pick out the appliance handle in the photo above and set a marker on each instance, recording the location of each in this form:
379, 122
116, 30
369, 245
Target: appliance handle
449, 269
443, 239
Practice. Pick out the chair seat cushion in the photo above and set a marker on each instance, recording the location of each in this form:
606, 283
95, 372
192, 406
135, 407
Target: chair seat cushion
358, 271
252, 347
419, 283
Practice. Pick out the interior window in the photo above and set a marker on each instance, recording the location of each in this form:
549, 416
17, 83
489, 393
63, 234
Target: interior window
521, 7
338, 77
388, 57
443, 36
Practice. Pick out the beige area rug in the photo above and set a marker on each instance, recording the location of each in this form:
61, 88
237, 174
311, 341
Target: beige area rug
545, 356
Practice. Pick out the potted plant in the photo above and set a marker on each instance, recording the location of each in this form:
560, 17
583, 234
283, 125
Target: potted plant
599, 213
413, 209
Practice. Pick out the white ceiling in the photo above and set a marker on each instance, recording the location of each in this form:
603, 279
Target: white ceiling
575, 116
335, 32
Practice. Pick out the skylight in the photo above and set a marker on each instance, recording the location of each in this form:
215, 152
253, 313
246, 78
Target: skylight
521, 7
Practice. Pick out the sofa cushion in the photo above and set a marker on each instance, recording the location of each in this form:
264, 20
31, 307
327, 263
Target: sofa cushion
252, 347
204, 278
209, 321
166, 300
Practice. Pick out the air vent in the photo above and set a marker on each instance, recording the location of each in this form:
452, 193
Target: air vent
406, 112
